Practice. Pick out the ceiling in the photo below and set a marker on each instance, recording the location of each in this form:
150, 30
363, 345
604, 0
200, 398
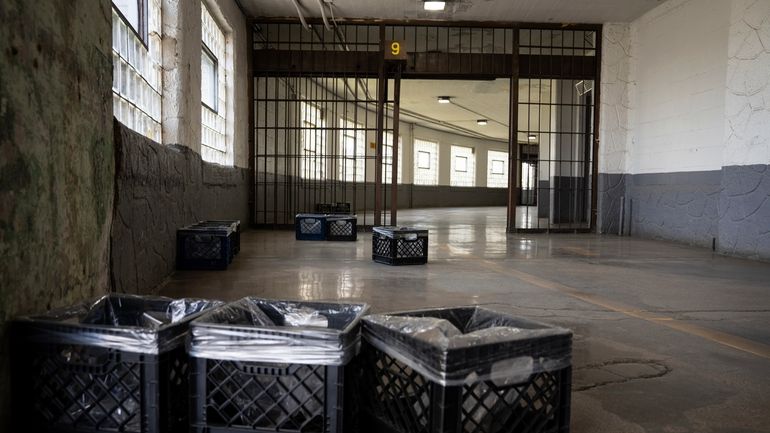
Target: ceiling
543, 11
471, 101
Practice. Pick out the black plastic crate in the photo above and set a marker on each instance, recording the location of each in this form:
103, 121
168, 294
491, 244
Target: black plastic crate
71, 376
399, 245
341, 208
341, 228
310, 227
255, 371
497, 374
338, 208
265, 397
235, 225
204, 247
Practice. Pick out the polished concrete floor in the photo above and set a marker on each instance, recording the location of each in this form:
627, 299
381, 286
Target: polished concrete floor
667, 338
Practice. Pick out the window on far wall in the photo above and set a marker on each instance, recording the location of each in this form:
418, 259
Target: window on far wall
353, 148
425, 162
136, 65
497, 176
463, 166
387, 158
312, 158
214, 144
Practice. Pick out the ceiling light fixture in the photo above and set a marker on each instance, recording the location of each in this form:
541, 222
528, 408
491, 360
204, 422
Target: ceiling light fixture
433, 5
481, 122
532, 137
444, 99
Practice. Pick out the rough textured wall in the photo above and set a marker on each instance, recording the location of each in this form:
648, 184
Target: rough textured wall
617, 85
744, 204
675, 206
56, 158
159, 189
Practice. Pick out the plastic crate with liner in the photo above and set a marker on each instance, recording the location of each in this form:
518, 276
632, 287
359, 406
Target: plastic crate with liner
234, 224
400, 245
265, 366
341, 228
310, 227
204, 247
117, 364
465, 369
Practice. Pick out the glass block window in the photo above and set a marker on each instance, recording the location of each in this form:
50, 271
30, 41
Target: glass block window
136, 66
214, 147
387, 158
497, 169
313, 153
463, 166
425, 162
352, 148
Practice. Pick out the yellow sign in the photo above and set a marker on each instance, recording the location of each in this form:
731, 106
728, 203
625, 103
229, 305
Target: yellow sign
395, 50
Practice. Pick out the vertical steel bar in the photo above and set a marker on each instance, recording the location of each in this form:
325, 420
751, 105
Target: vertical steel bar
381, 96
596, 138
513, 127
252, 137
394, 167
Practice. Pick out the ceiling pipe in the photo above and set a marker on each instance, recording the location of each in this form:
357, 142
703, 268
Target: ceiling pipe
301, 17
323, 15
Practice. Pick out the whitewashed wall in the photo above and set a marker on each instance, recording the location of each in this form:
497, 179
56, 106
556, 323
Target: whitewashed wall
680, 70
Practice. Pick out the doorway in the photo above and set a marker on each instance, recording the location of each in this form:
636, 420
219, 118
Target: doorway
329, 119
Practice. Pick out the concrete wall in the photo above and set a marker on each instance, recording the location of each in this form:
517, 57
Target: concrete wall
744, 200
56, 159
686, 125
158, 189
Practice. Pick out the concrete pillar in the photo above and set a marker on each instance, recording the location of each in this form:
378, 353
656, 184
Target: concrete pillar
182, 73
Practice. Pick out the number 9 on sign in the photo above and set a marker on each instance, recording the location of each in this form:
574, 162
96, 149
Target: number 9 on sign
395, 48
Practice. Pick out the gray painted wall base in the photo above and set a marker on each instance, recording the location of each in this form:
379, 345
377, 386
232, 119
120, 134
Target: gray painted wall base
728, 207
160, 188
744, 211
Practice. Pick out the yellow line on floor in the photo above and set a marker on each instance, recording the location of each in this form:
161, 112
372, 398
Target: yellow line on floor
725, 339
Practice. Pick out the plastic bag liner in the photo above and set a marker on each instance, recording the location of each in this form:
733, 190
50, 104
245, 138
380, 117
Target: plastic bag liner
137, 324
463, 345
262, 330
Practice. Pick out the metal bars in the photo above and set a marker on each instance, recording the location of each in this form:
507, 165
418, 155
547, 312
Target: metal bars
319, 93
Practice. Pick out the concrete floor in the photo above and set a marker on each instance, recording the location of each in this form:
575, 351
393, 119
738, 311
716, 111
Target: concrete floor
668, 338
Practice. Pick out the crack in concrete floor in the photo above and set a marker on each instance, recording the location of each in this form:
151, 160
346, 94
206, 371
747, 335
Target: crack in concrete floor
616, 372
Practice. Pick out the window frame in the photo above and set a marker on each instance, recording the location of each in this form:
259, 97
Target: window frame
428, 158
468, 174
207, 51
502, 167
426, 176
143, 32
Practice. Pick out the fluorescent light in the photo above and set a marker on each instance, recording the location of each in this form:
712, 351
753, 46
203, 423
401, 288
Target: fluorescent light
433, 5
532, 137
481, 122
443, 100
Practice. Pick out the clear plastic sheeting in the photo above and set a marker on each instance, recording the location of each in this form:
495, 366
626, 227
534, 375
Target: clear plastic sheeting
463, 345
137, 324
261, 330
